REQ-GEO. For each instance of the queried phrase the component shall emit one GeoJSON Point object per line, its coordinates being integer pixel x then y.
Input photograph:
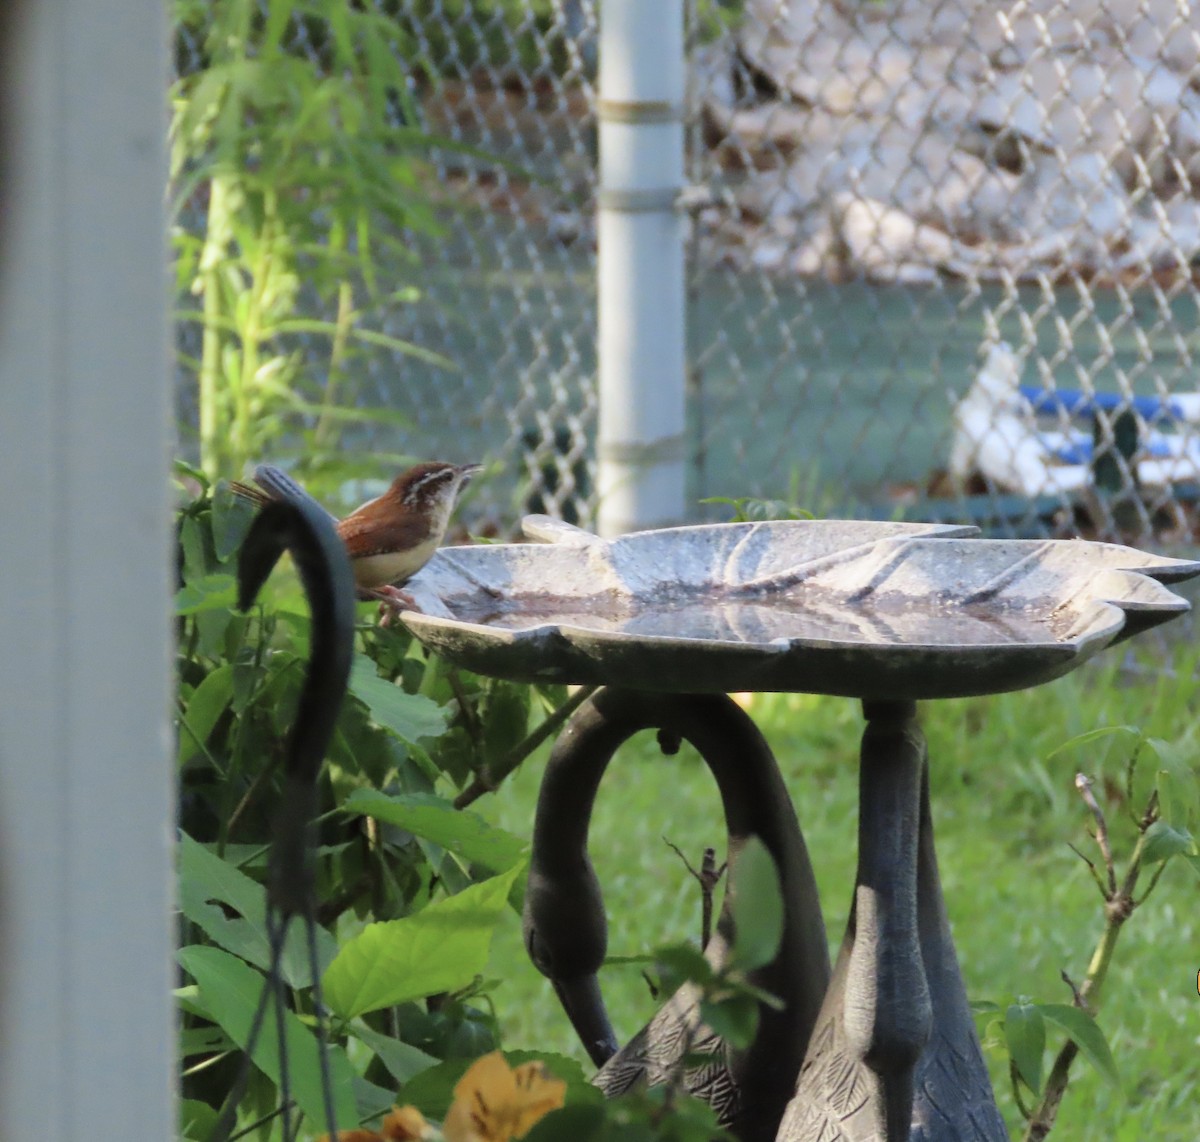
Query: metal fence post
{"type": "Point", "coordinates": [640, 272]}
{"type": "Point", "coordinates": [86, 766]}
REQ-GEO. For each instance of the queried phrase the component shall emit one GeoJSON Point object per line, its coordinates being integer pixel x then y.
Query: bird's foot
{"type": "Point", "coordinates": [392, 601]}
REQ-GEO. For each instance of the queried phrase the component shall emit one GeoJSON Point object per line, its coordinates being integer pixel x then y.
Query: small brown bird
{"type": "Point", "coordinates": [391, 537]}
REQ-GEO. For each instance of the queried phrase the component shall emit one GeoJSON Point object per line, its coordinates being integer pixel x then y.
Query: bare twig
{"type": "Point", "coordinates": [708, 877]}
{"type": "Point", "coordinates": [1119, 906]}
{"type": "Point", "coordinates": [1091, 868]}
{"type": "Point", "coordinates": [1080, 1002]}
{"type": "Point", "coordinates": [1084, 784]}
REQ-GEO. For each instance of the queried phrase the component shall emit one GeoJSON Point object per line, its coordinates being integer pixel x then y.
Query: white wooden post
{"type": "Point", "coordinates": [86, 775]}
{"type": "Point", "coordinates": [640, 272]}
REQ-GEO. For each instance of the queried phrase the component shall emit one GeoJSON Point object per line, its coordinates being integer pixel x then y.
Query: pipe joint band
{"type": "Point", "coordinates": [664, 199]}
{"type": "Point", "coordinates": [636, 454]}
{"type": "Point", "coordinates": [639, 111]}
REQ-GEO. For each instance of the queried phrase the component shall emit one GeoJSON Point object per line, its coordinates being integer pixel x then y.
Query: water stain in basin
{"type": "Point", "coordinates": [888, 620]}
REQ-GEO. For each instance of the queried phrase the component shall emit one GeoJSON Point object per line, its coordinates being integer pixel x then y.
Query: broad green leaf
{"type": "Point", "coordinates": [1178, 796]}
{"type": "Point", "coordinates": [195, 549]}
{"type": "Point", "coordinates": [196, 1120]}
{"type": "Point", "coordinates": [204, 1040]}
{"type": "Point", "coordinates": [757, 903]}
{"type": "Point", "coordinates": [208, 702]}
{"type": "Point", "coordinates": [677, 964]}
{"type": "Point", "coordinates": [1164, 841]}
{"type": "Point", "coordinates": [1083, 1030]}
{"type": "Point", "coordinates": [1025, 1033]}
{"type": "Point", "coordinates": [505, 718]}
{"type": "Point", "coordinates": [231, 520]}
{"type": "Point", "coordinates": [210, 888]}
{"type": "Point", "coordinates": [402, 1060]}
{"type": "Point", "coordinates": [409, 716]}
{"type": "Point", "coordinates": [734, 1018]}
{"type": "Point", "coordinates": [463, 833]}
{"type": "Point", "coordinates": [217, 592]}
{"type": "Point", "coordinates": [441, 948]}
{"type": "Point", "coordinates": [231, 990]}
{"type": "Point", "coordinates": [579, 1123]}
{"type": "Point", "coordinates": [432, 1091]}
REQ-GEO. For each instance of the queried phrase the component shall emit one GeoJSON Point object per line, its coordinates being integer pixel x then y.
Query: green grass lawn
{"type": "Point", "coordinates": [1022, 904]}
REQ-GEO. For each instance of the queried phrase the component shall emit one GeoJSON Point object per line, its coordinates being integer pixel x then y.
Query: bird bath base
{"type": "Point", "coordinates": [886, 613]}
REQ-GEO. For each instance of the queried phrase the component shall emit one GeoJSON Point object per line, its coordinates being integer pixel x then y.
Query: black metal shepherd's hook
{"type": "Point", "coordinates": [299, 525]}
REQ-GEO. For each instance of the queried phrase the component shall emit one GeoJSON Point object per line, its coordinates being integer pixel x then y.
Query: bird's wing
{"type": "Point", "coordinates": [368, 532]}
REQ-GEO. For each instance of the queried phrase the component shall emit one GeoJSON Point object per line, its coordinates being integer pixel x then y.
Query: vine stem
{"type": "Point", "coordinates": [1119, 904]}
{"type": "Point", "coordinates": [216, 241]}
{"type": "Point", "coordinates": [489, 779]}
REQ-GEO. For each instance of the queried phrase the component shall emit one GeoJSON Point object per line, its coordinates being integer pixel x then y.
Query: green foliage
{"type": "Point", "coordinates": [303, 167]}
{"type": "Point", "coordinates": [747, 509]}
{"type": "Point", "coordinates": [1023, 905]}
{"type": "Point", "coordinates": [757, 902]}
{"type": "Point", "coordinates": [659, 1114]}
{"type": "Point", "coordinates": [411, 889]}
{"type": "Point", "coordinates": [443, 947]}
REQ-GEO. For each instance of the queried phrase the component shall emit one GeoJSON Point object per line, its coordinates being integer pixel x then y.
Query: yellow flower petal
{"type": "Point", "coordinates": [493, 1103]}
{"type": "Point", "coordinates": [539, 1092]}
{"type": "Point", "coordinates": [403, 1124]}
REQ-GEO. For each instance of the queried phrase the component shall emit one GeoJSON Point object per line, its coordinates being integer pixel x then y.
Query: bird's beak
{"type": "Point", "coordinates": [581, 1000]}
{"type": "Point", "coordinates": [467, 471]}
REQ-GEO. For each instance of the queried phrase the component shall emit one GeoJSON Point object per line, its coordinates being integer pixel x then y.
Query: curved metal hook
{"type": "Point", "coordinates": [565, 927]}
{"type": "Point", "coordinates": [300, 525]}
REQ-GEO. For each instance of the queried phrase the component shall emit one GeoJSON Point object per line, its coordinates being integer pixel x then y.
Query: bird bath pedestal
{"type": "Point", "coordinates": [884, 1047]}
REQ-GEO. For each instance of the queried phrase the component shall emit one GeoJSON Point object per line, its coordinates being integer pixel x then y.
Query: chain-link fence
{"type": "Point", "coordinates": [941, 258]}
{"type": "Point", "coordinates": [897, 188]}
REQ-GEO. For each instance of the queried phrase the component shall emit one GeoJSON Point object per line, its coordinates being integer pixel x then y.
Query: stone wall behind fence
{"type": "Point", "coordinates": [901, 140]}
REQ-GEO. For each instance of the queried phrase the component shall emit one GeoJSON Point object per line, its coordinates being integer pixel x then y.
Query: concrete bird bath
{"type": "Point", "coordinates": [887, 613]}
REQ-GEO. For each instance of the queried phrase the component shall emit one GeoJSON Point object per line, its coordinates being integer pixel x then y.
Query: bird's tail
{"type": "Point", "coordinates": [273, 484]}
{"type": "Point", "coordinates": [278, 484]}
{"type": "Point", "coordinates": [249, 492]}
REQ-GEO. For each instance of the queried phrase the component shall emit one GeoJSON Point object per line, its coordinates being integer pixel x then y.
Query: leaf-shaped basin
{"type": "Point", "coordinates": [861, 609]}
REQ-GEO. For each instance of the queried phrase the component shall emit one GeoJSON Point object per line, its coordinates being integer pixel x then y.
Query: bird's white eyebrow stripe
{"type": "Point", "coordinates": [439, 474]}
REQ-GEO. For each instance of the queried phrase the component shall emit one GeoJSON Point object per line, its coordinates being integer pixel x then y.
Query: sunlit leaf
{"type": "Point", "coordinates": [441, 948]}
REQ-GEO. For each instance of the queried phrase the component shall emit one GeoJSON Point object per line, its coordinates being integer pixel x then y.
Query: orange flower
{"type": "Point", "coordinates": [493, 1103]}
{"type": "Point", "coordinates": [403, 1124]}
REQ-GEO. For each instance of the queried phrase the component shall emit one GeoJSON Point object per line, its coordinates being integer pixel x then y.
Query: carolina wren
{"type": "Point", "coordinates": [391, 537]}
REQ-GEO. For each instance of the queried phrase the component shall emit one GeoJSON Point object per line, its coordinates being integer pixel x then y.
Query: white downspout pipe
{"type": "Point", "coordinates": [640, 270]}
{"type": "Point", "coordinates": [87, 806]}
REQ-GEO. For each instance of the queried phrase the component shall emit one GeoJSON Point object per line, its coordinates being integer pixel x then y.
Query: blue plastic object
{"type": "Point", "coordinates": [1076, 403]}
